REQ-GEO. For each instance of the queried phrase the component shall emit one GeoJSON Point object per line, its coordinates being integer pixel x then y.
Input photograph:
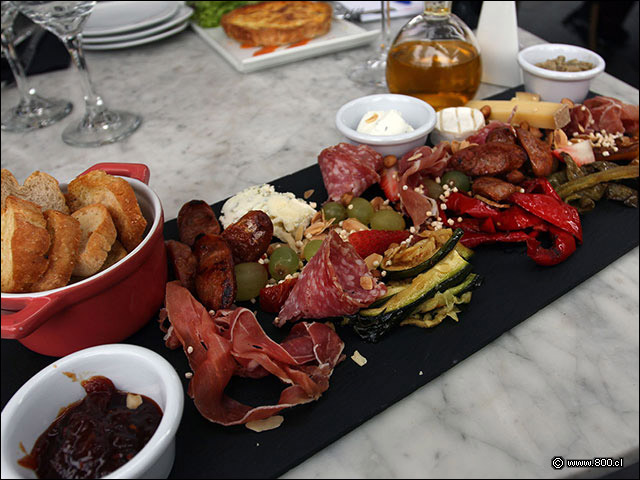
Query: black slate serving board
{"type": "Point", "coordinates": [514, 289]}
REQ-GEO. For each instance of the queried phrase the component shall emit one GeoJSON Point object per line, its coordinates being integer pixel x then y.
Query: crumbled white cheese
{"type": "Point", "coordinates": [266, 424]}
{"type": "Point", "coordinates": [286, 211]}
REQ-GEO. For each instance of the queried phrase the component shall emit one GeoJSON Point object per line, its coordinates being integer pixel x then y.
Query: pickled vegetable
{"type": "Point", "coordinates": [251, 277]}
{"type": "Point", "coordinates": [334, 210]}
{"type": "Point", "coordinates": [311, 248]}
{"type": "Point", "coordinates": [360, 209]}
{"type": "Point", "coordinates": [457, 179]}
{"type": "Point", "coordinates": [283, 261]}
{"type": "Point", "coordinates": [387, 220]}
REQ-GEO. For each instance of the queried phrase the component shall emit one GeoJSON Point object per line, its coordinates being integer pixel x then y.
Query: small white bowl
{"type": "Point", "coordinates": [417, 113]}
{"type": "Point", "coordinates": [132, 369]}
{"type": "Point", "coordinates": [554, 86]}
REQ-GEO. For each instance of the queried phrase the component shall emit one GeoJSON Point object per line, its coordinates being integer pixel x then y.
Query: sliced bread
{"type": "Point", "coordinates": [66, 235]}
{"type": "Point", "coordinates": [39, 188]}
{"type": "Point", "coordinates": [98, 233]}
{"type": "Point", "coordinates": [117, 195]}
{"type": "Point", "coordinates": [116, 254]}
{"type": "Point", "coordinates": [25, 244]}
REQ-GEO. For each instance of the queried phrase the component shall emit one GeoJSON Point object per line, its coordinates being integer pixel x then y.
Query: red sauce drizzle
{"type": "Point", "coordinates": [300, 43]}
{"type": "Point", "coordinates": [93, 436]}
{"type": "Point", "coordinates": [263, 50]}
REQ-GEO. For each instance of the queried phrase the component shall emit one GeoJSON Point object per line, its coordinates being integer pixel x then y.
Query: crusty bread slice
{"type": "Point", "coordinates": [116, 254]}
{"type": "Point", "coordinates": [117, 195]}
{"type": "Point", "coordinates": [25, 243]}
{"type": "Point", "coordinates": [277, 23]}
{"type": "Point", "coordinates": [39, 188]}
{"type": "Point", "coordinates": [65, 234]}
{"type": "Point", "coordinates": [98, 235]}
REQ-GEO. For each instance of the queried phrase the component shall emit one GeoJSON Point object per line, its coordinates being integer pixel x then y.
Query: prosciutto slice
{"type": "Point", "coordinates": [330, 284]}
{"type": "Point", "coordinates": [413, 166]}
{"type": "Point", "coordinates": [217, 346]}
{"type": "Point", "coordinates": [349, 168]}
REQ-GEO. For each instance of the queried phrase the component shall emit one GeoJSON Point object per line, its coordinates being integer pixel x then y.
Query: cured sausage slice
{"type": "Point", "coordinates": [335, 282]}
{"type": "Point", "coordinates": [349, 168]}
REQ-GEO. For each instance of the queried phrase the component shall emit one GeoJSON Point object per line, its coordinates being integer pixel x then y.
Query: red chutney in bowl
{"type": "Point", "coordinates": [96, 435]}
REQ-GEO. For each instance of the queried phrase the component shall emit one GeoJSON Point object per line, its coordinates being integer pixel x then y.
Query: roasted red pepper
{"type": "Point", "coordinates": [549, 208]}
{"type": "Point", "coordinates": [463, 204]}
{"type": "Point", "coordinates": [473, 239]}
{"type": "Point", "coordinates": [515, 218]}
{"type": "Point", "coordinates": [474, 225]}
{"type": "Point", "coordinates": [540, 185]}
{"type": "Point", "coordinates": [564, 244]}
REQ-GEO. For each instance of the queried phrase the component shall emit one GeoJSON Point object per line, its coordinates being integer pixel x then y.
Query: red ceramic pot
{"type": "Point", "coordinates": [104, 308]}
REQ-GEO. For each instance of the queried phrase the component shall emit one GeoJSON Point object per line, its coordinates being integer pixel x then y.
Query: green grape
{"type": "Point", "coordinates": [283, 261]}
{"type": "Point", "coordinates": [361, 209]}
{"type": "Point", "coordinates": [459, 180]}
{"type": "Point", "coordinates": [251, 277]}
{"type": "Point", "coordinates": [311, 248]}
{"type": "Point", "coordinates": [334, 210]}
{"type": "Point", "coordinates": [432, 188]}
{"type": "Point", "coordinates": [387, 220]}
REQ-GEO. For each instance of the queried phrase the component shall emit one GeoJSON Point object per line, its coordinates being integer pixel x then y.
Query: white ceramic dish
{"type": "Point", "coordinates": [132, 369]}
{"type": "Point", "coordinates": [342, 35]}
{"type": "Point", "coordinates": [420, 115]}
{"type": "Point", "coordinates": [181, 16]}
{"type": "Point", "coordinates": [135, 43]}
{"type": "Point", "coordinates": [554, 86]}
{"type": "Point", "coordinates": [108, 18]}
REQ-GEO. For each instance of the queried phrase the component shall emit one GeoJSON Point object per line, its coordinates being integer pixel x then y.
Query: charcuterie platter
{"type": "Point", "coordinates": [514, 289]}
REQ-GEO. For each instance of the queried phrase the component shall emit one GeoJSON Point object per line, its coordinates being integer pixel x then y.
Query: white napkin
{"type": "Point", "coordinates": [399, 9]}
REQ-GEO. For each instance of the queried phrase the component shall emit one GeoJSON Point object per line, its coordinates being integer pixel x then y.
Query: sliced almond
{"type": "Point", "coordinates": [415, 156]}
{"type": "Point", "coordinates": [376, 203]}
{"type": "Point", "coordinates": [346, 198]}
{"type": "Point", "coordinates": [133, 401]}
{"type": "Point", "coordinates": [298, 233]}
{"type": "Point", "coordinates": [491, 202]}
{"type": "Point", "coordinates": [359, 359]}
{"type": "Point", "coordinates": [560, 138]}
{"type": "Point", "coordinates": [390, 160]}
{"type": "Point", "coordinates": [353, 225]}
{"type": "Point", "coordinates": [372, 118]}
{"type": "Point", "coordinates": [266, 424]}
{"type": "Point", "coordinates": [567, 101]}
{"type": "Point", "coordinates": [307, 194]}
{"type": "Point", "coordinates": [373, 261]}
{"type": "Point", "coordinates": [366, 282]}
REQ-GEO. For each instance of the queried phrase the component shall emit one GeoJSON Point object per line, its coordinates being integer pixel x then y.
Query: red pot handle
{"type": "Point", "coordinates": [35, 311]}
{"type": "Point", "coordinates": [139, 171]}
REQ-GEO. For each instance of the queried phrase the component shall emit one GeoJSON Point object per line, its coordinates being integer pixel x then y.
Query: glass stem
{"type": "Point", "coordinates": [93, 102]}
{"type": "Point", "coordinates": [385, 25]}
{"type": "Point", "coordinates": [16, 66]}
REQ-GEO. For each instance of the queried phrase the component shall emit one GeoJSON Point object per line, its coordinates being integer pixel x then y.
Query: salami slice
{"type": "Point", "coordinates": [331, 284]}
{"type": "Point", "coordinates": [349, 169]}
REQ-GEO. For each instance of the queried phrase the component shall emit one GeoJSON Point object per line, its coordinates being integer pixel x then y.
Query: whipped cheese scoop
{"type": "Point", "coordinates": [456, 123]}
{"type": "Point", "coordinates": [387, 122]}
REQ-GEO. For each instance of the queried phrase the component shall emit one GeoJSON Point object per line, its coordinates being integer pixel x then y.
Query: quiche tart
{"type": "Point", "coordinates": [277, 23]}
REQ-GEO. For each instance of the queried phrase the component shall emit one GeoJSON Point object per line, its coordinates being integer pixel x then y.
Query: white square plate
{"type": "Point", "coordinates": [343, 35]}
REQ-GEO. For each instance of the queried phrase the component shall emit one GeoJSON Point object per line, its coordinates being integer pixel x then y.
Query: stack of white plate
{"type": "Point", "coordinates": [125, 24]}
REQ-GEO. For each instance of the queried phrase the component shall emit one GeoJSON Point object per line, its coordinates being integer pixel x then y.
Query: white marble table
{"type": "Point", "coordinates": [564, 382]}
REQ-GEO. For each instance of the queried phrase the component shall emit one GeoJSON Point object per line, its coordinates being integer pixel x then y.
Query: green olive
{"type": "Point", "coordinates": [360, 209]}
{"type": "Point", "coordinates": [334, 210]}
{"type": "Point", "coordinates": [282, 262]}
{"type": "Point", "coordinates": [251, 277]}
{"type": "Point", "coordinates": [311, 248]}
{"type": "Point", "coordinates": [457, 179]}
{"type": "Point", "coordinates": [387, 220]}
{"type": "Point", "coordinates": [432, 188]}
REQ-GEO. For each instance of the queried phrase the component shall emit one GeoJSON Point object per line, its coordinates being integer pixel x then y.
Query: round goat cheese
{"type": "Point", "coordinates": [456, 123]}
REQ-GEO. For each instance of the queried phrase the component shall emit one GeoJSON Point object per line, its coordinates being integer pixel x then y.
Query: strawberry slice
{"type": "Point", "coordinates": [272, 297]}
{"type": "Point", "coordinates": [367, 242]}
{"type": "Point", "coordinates": [390, 183]}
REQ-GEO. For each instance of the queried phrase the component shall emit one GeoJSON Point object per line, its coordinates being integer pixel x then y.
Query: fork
{"type": "Point", "coordinates": [354, 14]}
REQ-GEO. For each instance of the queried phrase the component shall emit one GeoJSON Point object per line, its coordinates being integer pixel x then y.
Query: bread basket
{"type": "Point", "coordinates": [106, 307]}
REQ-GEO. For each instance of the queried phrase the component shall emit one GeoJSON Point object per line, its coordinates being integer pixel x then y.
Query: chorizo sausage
{"type": "Point", "coordinates": [493, 188]}
{"type": "Point", "coordinates": [515, 177]}
{"type": "Point", "coordinates": [183, 263]}
{"type": "Point", "coordinates": [215, 280]}
{"type": "Point", "coordinates": [250, 236]}
{"type": "Point", "coordinates": [493, 158]}
{"type": "Point", "coordinates": [502, 135]}
{"type": "Point", "coordinates": [539, 153]}
{"type": "Point", "coordinates": [196, 218]}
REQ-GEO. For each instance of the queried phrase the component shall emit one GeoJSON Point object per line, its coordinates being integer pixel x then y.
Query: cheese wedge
{"type": "Point", "coordinates": [537, 114]}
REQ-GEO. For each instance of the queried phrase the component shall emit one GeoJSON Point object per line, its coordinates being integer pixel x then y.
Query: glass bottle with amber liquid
{"type": "Point", "coordinates": [436, 58]}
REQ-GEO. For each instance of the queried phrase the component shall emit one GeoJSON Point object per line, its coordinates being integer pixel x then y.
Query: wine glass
{"type": "Point", "coordinates": [99, 125]}
{"type": "Point", "coordinates": [372, 71]}
{"type": "Point", "coordinates": [32, 111]}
